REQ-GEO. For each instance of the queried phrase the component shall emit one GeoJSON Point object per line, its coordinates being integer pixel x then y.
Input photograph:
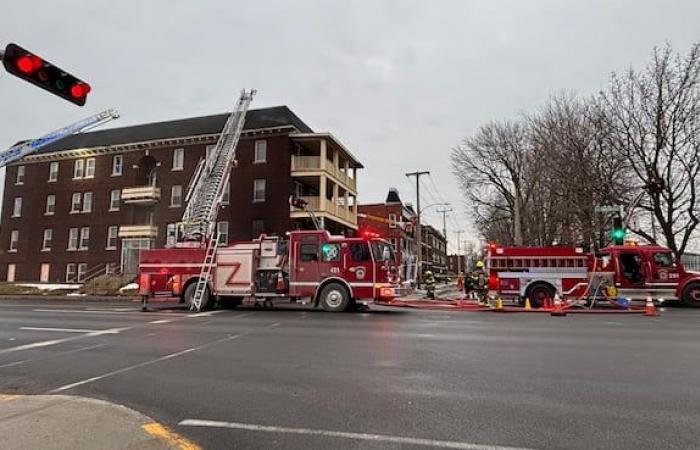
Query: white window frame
{"type": "Point", "coordinates": [11, 272]}
{"type": "Point", "coordinates": [14, 241]}
{"type": "Point", "coordinates": [82, 270]}
{"type": "Point", "coordinates": [84, 242]}
{"type": "Point", "coordinates": [21, 171]}
{"type": "Point", "coordinates": [73, 239]}
{"type": "Point", "coordinates": [178, 159]}
{"type": "Point", "coordinates": [47, 240]}
{"type": "Point", "coordinates": [53, 174]}
{"type": "Point", "coordinates": [256, 182]}
{"type": "Point", "coordinates": [87, 202]}
{"type": "Point", "coordinates": [90, 168]}
{"type": "Point", "coordinates": [71, 272]}
{"type": "Point", "coordinates": [260, 146]}
{"type": "Point", "coordinates": [173, 188]}
{"type": "Point", "coordinates": [117, 165]}
{"type": "Point", "coordinates": [223, 228]}
{"type": "Point", "coordinates": [115, 199]}
{"type": "Point", "coordinates": [41, 273]}
{"type": "Point", "coordinates": [75, 207]}
{"type": "Point", "coordinates": [17, 207]}
{"type": "Point", "coordinates": [78, 169]}
{"type": "Point", "coordinates": [112, 235]}
{"type": "Point", "coordinates": [170, 234]}
{"type": "Point", "coordinates": [392, 220]}
{"type": "Point", "coordinates": [50, 205]}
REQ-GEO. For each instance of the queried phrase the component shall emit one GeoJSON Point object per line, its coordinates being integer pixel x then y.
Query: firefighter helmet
{"type": "Point", "coordinates": [479, 264]}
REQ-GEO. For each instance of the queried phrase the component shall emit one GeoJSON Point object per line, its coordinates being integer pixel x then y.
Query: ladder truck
{"type": "Point", "coordinates": [26, 148]}
{"type": "Point", "coordinates": [305, 266]}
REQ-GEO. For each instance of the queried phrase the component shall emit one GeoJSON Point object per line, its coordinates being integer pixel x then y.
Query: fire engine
{"type": "Point", "coordinates": [630, 270]}
{"type": "Point", "coordinates": [334, 272]}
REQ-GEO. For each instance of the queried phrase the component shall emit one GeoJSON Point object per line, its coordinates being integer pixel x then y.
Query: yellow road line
{"type": "Point", "coordinates": [173, 439]}
{"type": "Point", "coordinates": [8, 397]}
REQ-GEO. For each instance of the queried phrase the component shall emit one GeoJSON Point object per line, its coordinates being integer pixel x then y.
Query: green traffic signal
{"type": "Point", "coordinates": [618, 231]}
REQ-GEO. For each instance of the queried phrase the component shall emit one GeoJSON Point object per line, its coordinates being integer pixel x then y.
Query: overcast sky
{"type": "Point", "coordinates": [398, 82]}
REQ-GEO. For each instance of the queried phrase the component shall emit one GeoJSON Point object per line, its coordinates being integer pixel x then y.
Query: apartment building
{"type": "Point", "coordinates": [434, 251]}
{"type": "Point", "coordinates": [89, 203]}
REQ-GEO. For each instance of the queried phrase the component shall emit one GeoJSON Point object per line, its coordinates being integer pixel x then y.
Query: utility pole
{"type": "Point", "coordinates": [459, 251]}
{"type": "Point", "coordinates": [444, 221]}
{"type": "Point", "coordinates": [419, 247]}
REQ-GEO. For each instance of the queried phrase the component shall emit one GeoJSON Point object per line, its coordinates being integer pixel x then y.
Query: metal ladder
{"type": "Point", "coordinates": [205, 273]}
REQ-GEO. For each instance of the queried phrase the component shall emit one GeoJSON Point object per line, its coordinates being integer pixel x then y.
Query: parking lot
{"type": "Point", "coordinates": [381, 379]}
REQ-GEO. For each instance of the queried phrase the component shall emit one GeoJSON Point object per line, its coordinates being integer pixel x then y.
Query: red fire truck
{"type": "Point", "coordinates": [631, 271]}
{"type": "Point", "coordinates": [333, 272]}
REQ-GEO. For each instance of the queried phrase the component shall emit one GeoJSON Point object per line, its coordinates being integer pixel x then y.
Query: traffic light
{"type": "Point", "coordinates": [618, 231]}
{"type": "Point", "coordinates": [34, 69]}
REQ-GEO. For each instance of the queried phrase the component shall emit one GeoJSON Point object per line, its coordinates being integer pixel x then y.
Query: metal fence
{"type": "Point", "coordinates": [691, 261]}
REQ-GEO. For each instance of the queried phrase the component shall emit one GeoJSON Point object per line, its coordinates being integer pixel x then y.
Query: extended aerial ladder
{"type": "Point", "coordinates": [23, 149]}
{"type": "Point", "coordinates": [205, 193]}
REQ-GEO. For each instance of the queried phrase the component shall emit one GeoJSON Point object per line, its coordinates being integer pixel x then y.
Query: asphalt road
{"type": "Point", "coordinates": [379, 380]}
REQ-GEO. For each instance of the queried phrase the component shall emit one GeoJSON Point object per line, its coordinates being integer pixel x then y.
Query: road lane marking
{"type": "Point", "coordinates": [275, 325]}
{"type": "Point", "coordinates": [93, 311]}
{"type": "Point", "coordinates": [51, 342]}
{"type": "Point", "coordinates": [161, 321]}
{"type": "Point", "coordinates": [405, 440]}
{"type": "Point", "coordinates": [172, 439]}
{"type": "Point", "coordinates": [203, 314]}
{"type": "Point", "coordinates": [60, 330]}
{"type": "Point", "coordinates": [143, 364]}
{"type": "Point", "coordinates": [55, 355]}
{"type": "Point", "coordinates": [16, 363]}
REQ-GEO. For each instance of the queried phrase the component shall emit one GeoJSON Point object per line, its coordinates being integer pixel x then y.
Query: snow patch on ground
{"type": "Point", "coordinates": [50, 286]}
{"type": "Point", "coordinates": [129, 287]}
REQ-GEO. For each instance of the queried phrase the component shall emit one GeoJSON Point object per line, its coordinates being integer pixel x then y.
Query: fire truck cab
{"type": "Point", "coordinates": [333, 272]}
{"type": "Point", "coordinates": [635, 271]}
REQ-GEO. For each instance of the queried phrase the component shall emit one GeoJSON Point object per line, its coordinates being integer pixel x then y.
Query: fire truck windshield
{"type": "Point", "coordinates": [382, 251]}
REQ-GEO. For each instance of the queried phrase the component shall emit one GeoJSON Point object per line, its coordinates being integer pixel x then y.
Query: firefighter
{"type": "Point", "coordinates": [429, 281]}
{"type": "Point", "coordinates": [479, 284]}
{"type": "Point", "coordinates": [460, 281]}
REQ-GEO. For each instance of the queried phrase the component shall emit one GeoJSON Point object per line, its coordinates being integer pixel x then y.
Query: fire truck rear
{"type": "Point", "coordinates": [333, 272]}
{"type": "Point", "coordinates": [631, 271]}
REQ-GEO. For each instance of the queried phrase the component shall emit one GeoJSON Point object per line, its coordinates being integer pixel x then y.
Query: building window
{"type": "Point", "coordinates": [17, 209]}
{"type": "Point", "coordinates": [44, 273]}
{"type": "Point", "coordinates": [11, 268]}
{"type": "Point", "coordinates": [90, 168]}
{"type": "Point", "coordinates": [14, 240]}
{"type": "Point", "coordinates": [73, 236]}
{"type": "Point", "coordinates": [260, 151]}
{"type": "Point", "coordinates": [20, 175]}
{"type": "Point", "coordinates": [70, 272]}
{"type": "Point", "coordinates": [222, 231]}
{"type": "Point", "coordinates": [259, 190]}
{"type": "Point", "coordinates": [84, 238]}
{"type": "Point", "coordinates": [87, 202]}
{"type": "Point", "coordinates": [258, 228]}
{"type": "Point", "coordinates": [117, 165]}
{"type": "Point", "coordinates": [178, 159]}
{"type": "Point", "coordinates": [48, 240]}
{"type": "Point", "coordinates": [392, 220]}
{"type": "Point", "coordinates": [114, 198]}
{"type": "Point", "coordinates": [112, 237]}
{"type": "Point", "coordinates": [76, 202]}
{"type": "Point", "coordinates": [79, 169]}
{"type": "Point", "coordinates": [82, 268]}
{"type": "Point", "coordinates": [53, 172]}
{"type": "Point", "coordinates": [170, 234]}
{"type": "Point", "coordinates": [176, 195]}
{"type": "Point", "coordinates": [226, 197]}
{"type": "Point", "coordinates": [50, 204]}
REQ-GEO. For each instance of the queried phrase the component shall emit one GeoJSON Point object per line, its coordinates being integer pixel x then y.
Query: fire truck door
{"type": "Point", "coordinates": [306, 267]}
{"type": "Point", "coordinates": [631, 268]}
{"type": "Point", "coordinates": [358, 268]}
{"type": "Point", "coordinates": [663, 268]}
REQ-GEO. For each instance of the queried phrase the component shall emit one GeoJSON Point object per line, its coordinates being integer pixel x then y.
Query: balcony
{"type": "Point", "coordinates": [335, 212]}
{"type": "Point", "coordinates": [138, 231]}
{"type": "Point", "coordinates": [311, 165]}
{"type": "Point", "coordinates": [141, 195]}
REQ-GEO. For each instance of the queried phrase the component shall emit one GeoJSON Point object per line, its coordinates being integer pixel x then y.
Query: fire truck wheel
{"type": "Point", "coordinates": [538, 292]}
{"type": "Point", "coordinates": [334, 297]}
{"type": "Point", "coordinates": [691, 295]}
{"type": "Point", "coordinates": [188, 295]}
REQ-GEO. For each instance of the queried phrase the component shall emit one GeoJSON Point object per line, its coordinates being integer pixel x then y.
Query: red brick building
{"type": "Point", "coordinates": [88, 203]}
{"type": "Point", "coordinates": [389, 219]}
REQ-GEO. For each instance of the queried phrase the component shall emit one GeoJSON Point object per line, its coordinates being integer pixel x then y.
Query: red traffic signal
{"type": "Point", "coordinates": [34, 69]}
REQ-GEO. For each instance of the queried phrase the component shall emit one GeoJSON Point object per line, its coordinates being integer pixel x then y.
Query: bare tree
{"type": "Point", "coordinates": [652, 120]}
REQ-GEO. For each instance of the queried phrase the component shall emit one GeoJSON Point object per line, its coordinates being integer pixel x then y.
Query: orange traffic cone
{"type": "Point", "coordinates": [499, 304]}
{"type": "Point", "coordinates": [280, 282]}
{"type": "Point", "coordinates": [558, 311]}
{"type": "Point", "coordinates": [650, 309]}
{"type": "Point", "coordinates": [528, 306]}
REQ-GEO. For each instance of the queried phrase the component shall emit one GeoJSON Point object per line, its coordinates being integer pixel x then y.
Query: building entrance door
{"type": "Point", "coordinates": [130, 254]}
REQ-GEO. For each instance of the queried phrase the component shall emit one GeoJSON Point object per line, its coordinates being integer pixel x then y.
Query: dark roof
{"type": "Point", "coordinates": [275, 116]}
{"type": "Point", "coordinates": [393, 196]}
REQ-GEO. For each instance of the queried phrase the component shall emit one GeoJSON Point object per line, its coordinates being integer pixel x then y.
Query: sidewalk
{"type": "Point", "coordinates": [441, 290]}
{"type": "Point", "coordinates": [62, 421]}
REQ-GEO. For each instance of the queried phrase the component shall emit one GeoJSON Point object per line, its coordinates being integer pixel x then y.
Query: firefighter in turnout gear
{"type": "Point", "coordinates": [429, 281]}
{"type": "Point", "coordinates": [479, 283]}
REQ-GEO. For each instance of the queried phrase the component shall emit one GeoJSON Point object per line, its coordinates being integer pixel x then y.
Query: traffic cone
{"type": "Point", "coordinates": [280, 282]}
{"type": "Point", "coordinates": [557, 311]}
{"type": "Point", "coordinates": [499, 303]}
{"type": "Point", "coordinates": [528, 306]}
{"type": "Point", "coordinates": [650, 309]}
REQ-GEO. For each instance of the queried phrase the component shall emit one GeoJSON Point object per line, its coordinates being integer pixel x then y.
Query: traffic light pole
{"type": "Point", "coordinates": [419, 250]}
